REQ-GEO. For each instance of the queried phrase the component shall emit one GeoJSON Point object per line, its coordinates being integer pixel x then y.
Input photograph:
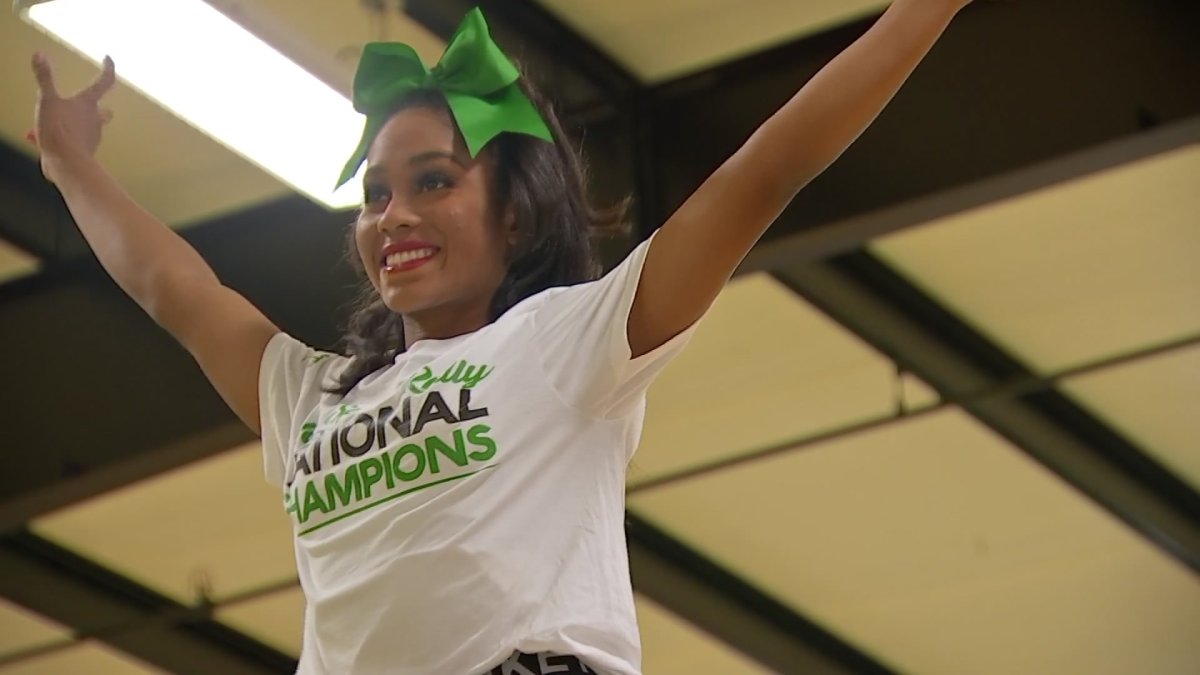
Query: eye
{"type": "Point", "coordinates": [375, 195]}
{"type": "Point", "coordinates": [428, 181]}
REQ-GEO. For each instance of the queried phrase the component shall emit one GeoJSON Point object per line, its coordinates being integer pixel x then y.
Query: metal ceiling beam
{"type": "Point", "coordinates": [95, 603]}
{"type": "Point", "coordinates": [26, 502]}
{"type": "Point", "coordinates": [580, 75]}
{"type": "Point", "coordinates": [102, 390]}
{"type": "Point", "coordinates": [963, 132]}
{"type": "Point", "coordinates": [847, 235]}
{"type": "Point", "coordinates": [32, 214]}
{"type": "Point", "coordinates": [1009, 85]}
{"type": "Point", "coordinates": [119, 611]}
{"type": "Point", "coordinates": [923, 338]}
{"type": "Point", "coordinates": [735, 612]}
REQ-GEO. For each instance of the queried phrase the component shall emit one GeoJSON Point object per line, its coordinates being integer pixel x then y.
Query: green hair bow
{"type": "Point", "coordinates": [477, 79]}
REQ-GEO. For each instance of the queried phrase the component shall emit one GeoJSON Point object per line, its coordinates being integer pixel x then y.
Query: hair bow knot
{"type": "Point", "coordinates": [477, 79]}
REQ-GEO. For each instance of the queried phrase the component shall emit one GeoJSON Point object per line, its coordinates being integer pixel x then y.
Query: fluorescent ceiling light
{"type": "Point", "coordinates": [205, 68]}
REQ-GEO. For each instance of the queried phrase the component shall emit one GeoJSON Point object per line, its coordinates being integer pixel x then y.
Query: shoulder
{"type": "Point", "coordinates": [289, 352]}
{"type": "Point", "coordinates": [294, 363]}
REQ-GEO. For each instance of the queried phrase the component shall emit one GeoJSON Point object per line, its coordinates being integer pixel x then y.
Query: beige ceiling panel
{"type": "Point", "coordinates": [176, 172]}
{"type": "Point", "coordinates": [1154, 402]}
{"type": "Point", "coordinates": [1072, 273]}
{"type": "Point", "coordinates": [22, 629]}
{"type": "Point", "coordinates": [326, 37]}
{"type": "Point", "coordinates": [90, 658]}
{"type": "Point", "coordinates": [672, 646]}
{"type": "Point", "coordinates": [763, 368]}
{"type": "Point", "coordinates": [937, 546]}
{"type": "Point", "coordinates": [215, 523]}
{"type": "Point", "coordinates": [276, 619]}
{"type": "Point", "coordinates": [702, 33]}
{"type": "Point", "coordinates": [15, 263]}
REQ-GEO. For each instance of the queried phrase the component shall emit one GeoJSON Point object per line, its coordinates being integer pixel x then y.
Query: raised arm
{"type": "Point", "coordinates": [149, 261]}
{"type": "Point", "coordinates": [697, 250]}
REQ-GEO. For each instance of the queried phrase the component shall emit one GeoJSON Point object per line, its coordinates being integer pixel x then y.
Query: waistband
{"type": "Point", "coordinates": [542, 663]}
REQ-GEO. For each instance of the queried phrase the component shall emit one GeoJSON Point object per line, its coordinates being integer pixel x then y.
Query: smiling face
{"type": "Point", "coordinates": [428, 237]}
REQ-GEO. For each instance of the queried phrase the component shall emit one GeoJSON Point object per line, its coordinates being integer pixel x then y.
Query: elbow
{"type": "Point", "coordinates": [168, 298]}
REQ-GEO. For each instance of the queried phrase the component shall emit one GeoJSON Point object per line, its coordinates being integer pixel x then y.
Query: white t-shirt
{"type": "Point", "coordinates": [468, 500]}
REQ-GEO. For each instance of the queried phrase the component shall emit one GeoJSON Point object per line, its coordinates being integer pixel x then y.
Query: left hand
{"type": "Point", "coordinates": [68, 126]}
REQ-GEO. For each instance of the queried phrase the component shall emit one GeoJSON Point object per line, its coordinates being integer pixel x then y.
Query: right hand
{"type": "Point", "coordinates": [68, 127]}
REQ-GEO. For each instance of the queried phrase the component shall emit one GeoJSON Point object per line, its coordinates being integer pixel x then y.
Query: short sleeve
{"type": "Point", "coordinates": [584, 345]}
{"type": "Point", "coordinates": [290, 381]}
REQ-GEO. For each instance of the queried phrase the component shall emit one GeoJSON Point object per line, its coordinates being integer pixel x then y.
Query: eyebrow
{"type": "Point", "coordinates": [432, 155]}
{"type": "Point", "coordinates": [419, 158]}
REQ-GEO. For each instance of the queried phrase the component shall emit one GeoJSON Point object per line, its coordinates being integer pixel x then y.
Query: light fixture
{"type": "Point", "coordinates": [211, 72]}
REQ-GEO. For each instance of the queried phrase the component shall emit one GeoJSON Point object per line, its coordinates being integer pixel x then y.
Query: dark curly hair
{"type": "Point", "coordinates": [545, 185]}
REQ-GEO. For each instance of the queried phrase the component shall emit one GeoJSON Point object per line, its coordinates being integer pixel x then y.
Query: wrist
{"type": "Point", "coordinates": [945, 8]}
{"type": "Point", "coordinates": [62, 164]}
{"type": "Point", "coordinates": [923, 15]}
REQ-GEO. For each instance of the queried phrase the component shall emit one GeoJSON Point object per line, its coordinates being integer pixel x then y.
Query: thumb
{"type": "Point", "coordinates": [45, 78]}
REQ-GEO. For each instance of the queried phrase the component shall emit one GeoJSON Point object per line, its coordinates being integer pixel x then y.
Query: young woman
{"type": "Point", "coordinates": [456, 478]}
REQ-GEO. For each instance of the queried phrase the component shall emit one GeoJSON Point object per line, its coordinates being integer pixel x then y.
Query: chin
{"type": "Point", "coordinates": [402, 305]}
{"type": "Point", "coordinates": [409, 301]}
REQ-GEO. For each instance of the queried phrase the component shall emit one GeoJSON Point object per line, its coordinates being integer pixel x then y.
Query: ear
{"type": "Point", "coordinates": [509, 221]}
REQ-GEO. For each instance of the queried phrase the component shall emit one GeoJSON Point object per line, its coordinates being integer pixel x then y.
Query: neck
{"type": "Point", "coordinates": [443, 323]}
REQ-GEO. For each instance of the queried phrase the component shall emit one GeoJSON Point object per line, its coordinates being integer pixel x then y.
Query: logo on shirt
{"type": "Point", "coordinates": [349, 459]}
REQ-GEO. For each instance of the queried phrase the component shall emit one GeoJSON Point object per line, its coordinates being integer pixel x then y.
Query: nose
{"type": "Point", "coordinates": [397, 215]}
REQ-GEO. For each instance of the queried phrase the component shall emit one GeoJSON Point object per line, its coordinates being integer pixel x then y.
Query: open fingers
{"type": "Point", "coordinates": [45, 78]}
{"type": "Point", "coordinates": [108, 75]}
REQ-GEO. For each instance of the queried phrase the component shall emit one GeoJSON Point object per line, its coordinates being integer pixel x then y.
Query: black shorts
{"type": "Point", "coordinates": [542, 663]}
